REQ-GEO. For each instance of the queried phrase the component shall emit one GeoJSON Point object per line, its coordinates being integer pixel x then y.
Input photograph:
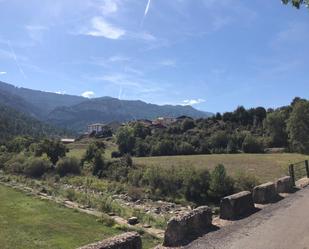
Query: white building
{"type": "Point", "coordinates": [95, 128]}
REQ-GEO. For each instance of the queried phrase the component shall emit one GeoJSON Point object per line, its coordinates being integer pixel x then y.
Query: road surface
{"type": "Point", "coordinates": [283, 225]}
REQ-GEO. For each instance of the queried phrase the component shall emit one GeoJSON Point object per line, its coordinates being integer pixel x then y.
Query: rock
{"type": "Point", "coordinates": [265, 193]}
{"type": "Point", "coordinates": [111, 214]}
{"type": "Point", "coordinates": [183, 229]}
{"type": "Point", "coordinates": [146, 226]}
{"type": "Point", "coordinates": [284, 185]}
{"type": "Point", "coordinates": [123, 241]}
{"type": "Point", "coordinates": [133, 221]}
{"type": "Point", "coordinates": [235, 206]}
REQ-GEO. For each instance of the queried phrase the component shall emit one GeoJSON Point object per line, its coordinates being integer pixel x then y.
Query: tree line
{"type": "Point", "coordinates": [243, 130]}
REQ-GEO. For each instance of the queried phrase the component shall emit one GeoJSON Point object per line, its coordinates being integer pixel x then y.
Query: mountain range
{"type": "Point", "coordinates": [76, 112]}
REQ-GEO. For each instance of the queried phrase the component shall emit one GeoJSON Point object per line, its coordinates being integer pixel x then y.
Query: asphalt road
{"type": "Point", "coordinates": [283, 225]}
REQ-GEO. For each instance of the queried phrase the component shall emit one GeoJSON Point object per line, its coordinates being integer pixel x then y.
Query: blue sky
{"type": "Point", "coordinates": [214, 55]}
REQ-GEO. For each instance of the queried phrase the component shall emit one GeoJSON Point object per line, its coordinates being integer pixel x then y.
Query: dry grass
{"type": "Point", "coordinates": [266, 167]}
{"type": "Point", "coordinates": [78, 148]}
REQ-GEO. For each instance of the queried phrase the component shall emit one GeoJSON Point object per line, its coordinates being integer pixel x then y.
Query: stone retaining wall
{"type": "Point", "coordinates": [183, 229]}
{"type": "Point", "coordinates": [284, 185]}
{"type": "Point", "coordinates": [265, 193]}
{"type": "Point", "coordinates": [124, 241]}
{"type": "Point", "coordinates": [235, 206]}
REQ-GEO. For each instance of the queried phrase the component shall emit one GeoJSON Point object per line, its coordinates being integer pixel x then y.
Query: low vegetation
{"type": "Point", "coordinates": [41, 224]}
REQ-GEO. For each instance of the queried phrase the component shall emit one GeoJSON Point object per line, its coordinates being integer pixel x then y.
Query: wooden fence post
{"type": "Point", "coordinates": [292, 174]}
{"type": "Point", "coordinates": [307, 168]}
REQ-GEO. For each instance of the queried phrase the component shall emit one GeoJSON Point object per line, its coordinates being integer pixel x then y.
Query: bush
{"type": "Point", "coordinates": [220, 185]}
{"type": "Point", "coordinates": [68, 166]}
{"type": "Point", "coordinates": [4, 157]}
{"type": "Point", "coordinates": [15, 165]}
{"type": "Point", "coordinates": [252, 144]}
{"type": "Point", "coordinates": [244, 181]}
{"type": "Point", "coordinates": [36, 167]}
{"type": "Point", "coordinates": [185, 148]}
{"type": "Point", "coordinates": [219, 141]}
{"type": "Point", "coordinates": [196, 185]}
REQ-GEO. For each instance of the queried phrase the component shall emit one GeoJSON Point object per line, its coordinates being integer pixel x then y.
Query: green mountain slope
{"type": "Point", "coordinates": [44, 102]}
{"type": "Point", "coordinates": [14, 123]}
{"type": "Point", "coordinates": [108, 109]}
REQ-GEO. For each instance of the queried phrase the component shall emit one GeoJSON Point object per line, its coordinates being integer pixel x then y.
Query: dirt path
{"type": "Point", "coordinates": [158, 233]}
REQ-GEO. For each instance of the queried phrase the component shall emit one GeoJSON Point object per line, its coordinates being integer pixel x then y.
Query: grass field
{"type": "Point", "coordinates": [78, 148]}
{"type": "Point", "coordinates": [28, 222]}
{"type": "Point", "coordinates": [266, 167]}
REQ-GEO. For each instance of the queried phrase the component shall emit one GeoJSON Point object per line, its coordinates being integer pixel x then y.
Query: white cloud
{"type": "Point", "coordinates": [3, 73]}
{"type": "Point", "coordinates": [88, 94]}
{"type": "Point", "coordinates": [192, 102]}
{"type": "Point", "coordinates": [101, 28]}
{"type": "Point", "coordinates": [109, 7]}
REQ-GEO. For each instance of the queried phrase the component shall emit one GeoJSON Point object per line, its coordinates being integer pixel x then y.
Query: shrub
{"type": "Point", "coordinates": [196, 185]}
{"type": "Point", "coordinates": [244, 181]}
{"type": "Point", "coordinates": [4, 157]}
{"type": "Point", "coordinates": [68, 166]}
{"type": "Point", "coordinates": [220, 185]}
{"type": "Point", "coordinates": [252, 144]}
{"type": "Point", "coordinates": [185, 148]}
{"type": "Point", "coordinates": [15, 165]}
{"type": "Point", "coordinates": [36, 167]}
{"type": "Point", "coordinates": [219, 141]}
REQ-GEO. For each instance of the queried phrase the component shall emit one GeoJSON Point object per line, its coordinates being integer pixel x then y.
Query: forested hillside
{"type": "Point", "coordinates": [108, 109]}
{"type": "Point", "coordinates": [14, 123]}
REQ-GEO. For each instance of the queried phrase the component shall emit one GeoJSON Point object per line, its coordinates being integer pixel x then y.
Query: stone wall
{"type": "Point", "coordinates": [284, 185]}
{"type": "Point", "coordinates": [183, 229]}
{"type": "Point", "coordinates": [235, 206]}
{"type": "Point", "coordinates": [265, 193]}
{"type": "Point", "coordinates": [123, 241]}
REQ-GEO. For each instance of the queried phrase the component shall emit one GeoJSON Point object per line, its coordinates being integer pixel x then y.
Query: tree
{"type": "Point", "coordinates": [298, 127]}
{"type": "Point", "coordinates": [297, 3]}
{"type": "Point", "coordinates": [125, 140]}
{"type": "Point", "coordinates": [219, 140]}
{"type": "Point", "coordinates": [187, 124]}
{"type": "Point", "coordinates": [220, 184]}
{"type": "Point", "coordinates": [92, 150]}
{"type": "Point", "coordinates": [275, 123]}
{"type": "Point", "coordinates": [54, 150]}
{"type": "Point", "coordinates": [252, 144]}
{"type": "Point", "coordinates": [141, 131]}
